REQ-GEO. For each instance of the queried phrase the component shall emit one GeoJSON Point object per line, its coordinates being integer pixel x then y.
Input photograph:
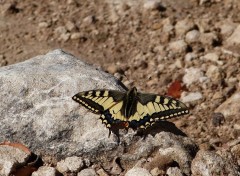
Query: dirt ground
{"type": "Point", "coordinates": [136, 38]}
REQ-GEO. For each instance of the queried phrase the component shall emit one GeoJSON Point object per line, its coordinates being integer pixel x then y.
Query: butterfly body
{"type": "Point", "coordinates": [130, 109]}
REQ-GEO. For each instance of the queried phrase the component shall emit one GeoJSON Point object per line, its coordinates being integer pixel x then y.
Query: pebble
{"type": "Point", "coordinates": [64, 37]}
{"type": "Point", "coordinates": [179, 46]}
{"type": "Point", "coordinates": [190, 56]}
{"type": "Point", "coordinates": [70, 25]}
{"type": "Point", "coordinates": [192, 75]}
{"type": "Point", "coordinates": [75, 35]}
{"type": "Point", "coordinates": [214, 57]}
{"type": "Point", "coordinates": [60, 30]}
{"type": "Point", "coordinates": [174, 171]}
{"type": "Point", "coordinates": [87, 172]}
{"type": "Point", "coordinates": [183, 26]}
{"type": "Point", "coordinates": [192, 96]}
{"type": "Point", "coordinates": [101, 172]}
{"type": "Point", "coordinates": [208, 39]}
{"type": "Point", "coordinates": [214, 73]}
{"type": "Point", "coordinates": [152, 5]}
{"type": "Point", "coordinates": [137, 171]}
{"type": "Point", "coordinates": [72, 164]}
{"type": "Point", "coordinates": [227, 27]}
{"type": "Point", "coordinates": [43, 24]}
{"type": "Point", "coordinates": [217, 119]}
{"type": "Point", "coordinates": [45, 171]}
{"type": "Point", "coordinates": [192, 36]}
{"type": "Point", "coordinates": [234, 39]}
{"type": "Point", "coordinates": [156, 171]}
{"type": "Point", "coordinates": [167, 25]}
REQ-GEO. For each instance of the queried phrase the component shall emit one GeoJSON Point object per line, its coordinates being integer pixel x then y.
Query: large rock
{"type": "Point", "coordinates": [37, 108]}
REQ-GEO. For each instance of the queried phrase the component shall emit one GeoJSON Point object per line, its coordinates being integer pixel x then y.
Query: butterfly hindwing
{"type": "Point", "coordinates": [151, 108]}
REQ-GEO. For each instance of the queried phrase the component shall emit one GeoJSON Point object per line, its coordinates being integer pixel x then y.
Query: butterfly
{"type": "Point", "coordinates": [130, 109]}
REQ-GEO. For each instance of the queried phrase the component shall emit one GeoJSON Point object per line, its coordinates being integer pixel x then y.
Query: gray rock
{"type": "Point", "coordinates": [179, 46]}
{"type": "Point", "coordinates": [234, 39]}
{"type": "Point", "coordinates": [136, 171]}
{"type": "Point", "coordinates": [231, 106]}
{"type": "Point", "coordinates": [87, 172]}
{"type": "Point", "coordinates": [70, 164]}
{"type": "Point", "coordinates": [11, 158]}
{"type": "Point", "coordinates": [208, 163]}
{"type": "Point", "coordinates": [45, 171]}
{"type": "Point", "coordinates": [37, 109]}
{"type": "Point", "coordinates": [174, 171]}
{"type": "Point", "coordinates": [192, 96]}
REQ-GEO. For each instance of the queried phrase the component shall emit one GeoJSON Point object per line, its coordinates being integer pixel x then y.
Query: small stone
{"type": "Point", "coordinates": [209, 39]}
{"type": "Point", "coordinates": [227, 28]}
{"type": "Point", "coordinates": [214, 57]}
{"type": "Point", "coordinates": [65, 37]}
{"type": "Point", "coordinates": [87, 172]}
{"type": "Point", "coordinates": [70, 25]}
{"type": "Point", "coordinates": [179, 46]}
{"type": "Point", "coordinates": [231, 107]}
{"type": "Point", "coordinates": [72, 164]}
{"type": "Point", "coordinates": [183, 26]}
{"type": "Point", "coordinates": [156, 172]}
{"type": "Point", "coordinates": [45, 171]}
{"type": "Point", "coordinates": [190, 56]}
{"type": "Point", "coordinates": [167, 25]}
{"type": "Point", "coordinates": [234, 39]}
{"type": "Point", "coordinates": [192, 36]}
{"type": "Point", "coordinates": [101, 172]}
{"type": "Point", "coordinates": [213, 72]}
{"type": "Point", "coordinates": [174, 171]}
{"type": "Point", "coordinates": [201, 2]}
{"type": "Point", "coordinates": [60, 30]}
{"type": "Point", "coordinates": [217, 119]}
{"type": "Point", "coordinates": [43, 25]}
{"type": "Point", "coordinates": [137, 171]}
{"type": "Point", "coordinates": [192, 75]}
{"type": "Point", "coordinates": [75, 35]}
{"type": "Point", "coordinates": [152, 5]}
{"type": "Point", "coordinates": [192, 96]}
{"type": "Point", "coordinates": [89, 20]}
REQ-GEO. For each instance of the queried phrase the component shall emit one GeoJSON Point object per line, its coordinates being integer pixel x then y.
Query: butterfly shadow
{"type": "Point", "coordinates": [159, 127]}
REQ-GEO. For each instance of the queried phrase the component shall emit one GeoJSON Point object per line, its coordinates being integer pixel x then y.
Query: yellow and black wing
{"type": "Point", "coordinates": [151, 108]}
{"type": "Point", "coordinates": [108, 103]}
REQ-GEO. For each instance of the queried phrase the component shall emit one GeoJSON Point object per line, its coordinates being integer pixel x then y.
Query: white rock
{"type": "Point", "coordinates": [192, 75]}
{"type": "Point", "coordinates": [179, 46]}
{"type": "Point", "coordinates": [190, 56]}
{"type": "Point", "coordinates": [213, 72]}
{"type": "Point", "coordinates": [87, 172]}
{"type": "Point", "coordinates": [70, 25]}
{"type": "Point", "coordinates": [231, 107]}
{"type": "Point", "coordinates": [214, 57]}
{"type": "Point", "coordinates": [192, 36]}
{"type": "Point", "coordinates": [11, 158]}
{"type": "Point", "coordinates": [137, 171]}
{"type": "Point", "coordinates": [167, 25]}
{"type": "Point", "coordinates": [45, 171]}
{"type": "Point", "coordinates": [152, 4]}
{"type": "Point", "coordinates": [192, 96]}
{"type": "Point", "coordinates": [75, 35]}
{"type": "Point", "coordinates": [234, 39]}
{"type": "Point", "coordinates": [174, 171]}
{"type": "Point", "coordinates": [72, 164]}
{"type": "Point", "coordinates": [183, 26]}
{"type": "Point", "coordinates": [60, 30]}
{"type": "Point", "coordinates": [65, 37]}
{"type": "Point", "coordinates": [43, 24]}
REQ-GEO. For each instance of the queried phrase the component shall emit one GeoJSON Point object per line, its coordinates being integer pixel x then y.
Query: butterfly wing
{"type": "Point", "coordinates": [108, 103]}
{"type": "Point", "coordinates": [151, 108]}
